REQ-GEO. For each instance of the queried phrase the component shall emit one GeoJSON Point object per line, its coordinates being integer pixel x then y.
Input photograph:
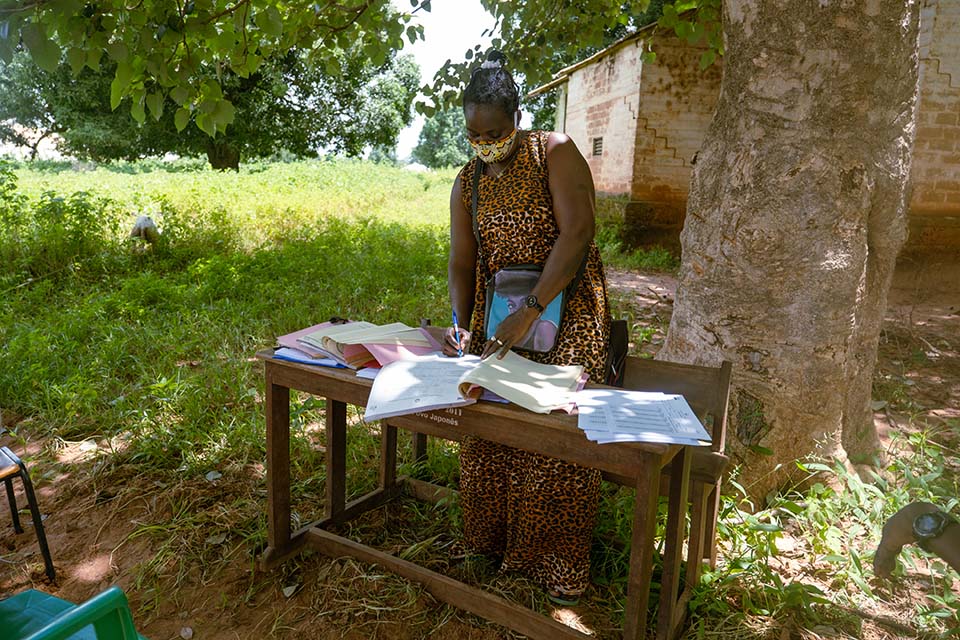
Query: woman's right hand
{"type": "Point", "coordinates": [453, 342]}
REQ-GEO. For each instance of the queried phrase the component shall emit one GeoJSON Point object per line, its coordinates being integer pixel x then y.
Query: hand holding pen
{"type": "Point", "coordinates": [456, 335]}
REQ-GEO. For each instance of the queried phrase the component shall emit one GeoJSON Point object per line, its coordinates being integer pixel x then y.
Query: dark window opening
{"type": "Point", "coordinates": [598, 146]}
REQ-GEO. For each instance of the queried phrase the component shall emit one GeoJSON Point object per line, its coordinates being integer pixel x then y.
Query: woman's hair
{"type": "Point", "coordinates": [491, 84]}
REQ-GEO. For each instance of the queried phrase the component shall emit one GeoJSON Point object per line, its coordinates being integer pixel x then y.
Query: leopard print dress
{"type": "Point", "coordinates": [536, 512]}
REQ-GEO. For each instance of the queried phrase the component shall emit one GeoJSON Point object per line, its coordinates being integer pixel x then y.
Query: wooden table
{"type": "Point", "coordinates": [557, 435]}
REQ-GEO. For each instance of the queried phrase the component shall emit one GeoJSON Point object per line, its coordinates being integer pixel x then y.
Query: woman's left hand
{"type": "Point", "coordinates": [510, 332]}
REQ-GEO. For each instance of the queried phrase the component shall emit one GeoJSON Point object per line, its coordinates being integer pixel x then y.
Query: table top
{"type": "Point", "coordinates": [554, 434]}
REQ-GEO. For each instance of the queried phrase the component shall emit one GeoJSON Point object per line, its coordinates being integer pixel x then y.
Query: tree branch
{"type": "Point", "coordinates": [228, 11]}
{"type": "Point", "coordinates": [360, 10]}
{"type": "Point", "coordinates": [25, 7]}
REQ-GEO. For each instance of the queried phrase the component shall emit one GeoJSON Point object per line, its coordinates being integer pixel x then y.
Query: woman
{"type": "Point", "coordinates": [535, 206]}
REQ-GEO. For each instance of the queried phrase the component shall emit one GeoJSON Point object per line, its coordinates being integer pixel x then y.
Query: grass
{"type": "Point", "coordinates": [147, 352]}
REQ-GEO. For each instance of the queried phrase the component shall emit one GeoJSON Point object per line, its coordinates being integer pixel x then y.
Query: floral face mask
{"type": "Point", "coordinates": [497, 150]}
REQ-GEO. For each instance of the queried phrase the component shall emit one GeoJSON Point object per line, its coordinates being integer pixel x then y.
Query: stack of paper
{"type": "Point", "coordinates": [434, 382]}
{"type": "Point", "coordinates": [619, 415]}
{"type": "Point", "coordinates": [360, 344]}
{"type": "Point", "coordinates": [295, 355]}
{"type": "Point", "coordinates": [295, 351]}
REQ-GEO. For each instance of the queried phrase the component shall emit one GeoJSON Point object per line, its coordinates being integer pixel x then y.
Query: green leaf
{"type": "Point", "coordinates": [763, 451]}
{"type": "Point", "coordinates": [211, 89]}
{"type": "Point", "coordinates": [270, 21]}
{"type": "Point", "coordinates": [707, 59]}
{"type": "Point", "coordinates": [93, 59]}
{"type": "Point", "coordinates": [76, 58]}
{"type": "Point", "coordinates": [45, 52]}
{"type": "Point", "coordinates": [206, 106]}
{"type": "Point", "coordinates": [181, 118]}
{"type": "Point", "coordinates": [124, 74]}
{"type": "Point", "coordinates": [155, 104]}
{"type": "Point", "coordinates": [179, 94]}
{"type": "Point", "coordinates": [206, 125]}
{"type": "Point", "coordinates": [116, 92]}
{"type": "Point", "coordinates": [118, 51]}
{"type": "Point", "coordinates": [223, 114]}
{"type": "Point", "coordinates": [137, 111]}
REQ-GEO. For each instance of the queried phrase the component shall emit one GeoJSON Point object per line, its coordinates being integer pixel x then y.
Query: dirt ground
{"type": "Point", "coordinates": [89, 527]}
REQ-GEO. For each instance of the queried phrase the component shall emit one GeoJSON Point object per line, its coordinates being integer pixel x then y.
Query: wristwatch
{"type": "Point", "coordinates": [531, 301]}
{"type": "Point", "coordinates": [928, 526]}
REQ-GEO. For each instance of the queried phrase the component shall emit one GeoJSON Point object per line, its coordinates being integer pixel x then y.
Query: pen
{"type": "Point", "coordinates": [456, 334]}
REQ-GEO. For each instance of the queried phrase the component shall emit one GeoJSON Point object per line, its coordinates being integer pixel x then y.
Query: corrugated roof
{"type": "Point", "coordinates": [561, 76]}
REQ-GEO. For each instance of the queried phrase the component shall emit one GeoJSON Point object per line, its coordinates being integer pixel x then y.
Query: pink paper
{"type": "Point", "coordinates": [387, 353]}
{"type": "Point", "coordinates": [292, 340]}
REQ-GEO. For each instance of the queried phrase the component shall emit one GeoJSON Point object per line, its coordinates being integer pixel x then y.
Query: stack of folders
{"type": "Point", "coordinates": [293, 350]}
{"type": "Point", "coordinates": [363, 344]}
{"type": "Point", "coordinates": [619, 415]}
{"type": "Point", "coordinates": [354, 344]}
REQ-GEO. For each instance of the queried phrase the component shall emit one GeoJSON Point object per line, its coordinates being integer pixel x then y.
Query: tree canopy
{"type": "Point", "coordinates": [287, 104]}
{"type": "Point", "coordinates": [443, 141]}
{"type": "Point", "coordinates": [182, 50]}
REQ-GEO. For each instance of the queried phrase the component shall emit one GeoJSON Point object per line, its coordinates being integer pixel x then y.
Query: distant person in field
{"type": "Point", "coordinates": [535, 207]}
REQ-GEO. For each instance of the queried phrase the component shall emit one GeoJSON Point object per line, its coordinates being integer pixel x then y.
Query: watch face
{"type": "Point", "coordinates": [531, 301]}
{"type": "Point", "coordinates": [929, 525]}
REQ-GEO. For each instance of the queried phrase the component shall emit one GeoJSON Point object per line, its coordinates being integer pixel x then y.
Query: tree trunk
{"type": "Point", "coordinates": [222, 155]}
{"type": "Point", "coordinates": [797, 211]}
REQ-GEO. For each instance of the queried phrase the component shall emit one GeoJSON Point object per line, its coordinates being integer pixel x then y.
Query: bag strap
{"type": "Point", "coordinates": [475, 198]}
{"type": "Point", "coordinates": [474, 205]}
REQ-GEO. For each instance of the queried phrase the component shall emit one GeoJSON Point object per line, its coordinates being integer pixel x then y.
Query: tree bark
{"type": "Point", "coordinates": [797, 211]}
{"type": "Point", "coordinates": [222, 155]}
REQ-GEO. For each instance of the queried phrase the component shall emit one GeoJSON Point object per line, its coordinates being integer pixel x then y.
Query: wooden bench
{"type": "Point", "coordinates": [691, 483]}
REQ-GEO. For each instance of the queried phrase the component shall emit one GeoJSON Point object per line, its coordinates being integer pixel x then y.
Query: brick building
{"type": "Point", "coordinates": [640, 125]}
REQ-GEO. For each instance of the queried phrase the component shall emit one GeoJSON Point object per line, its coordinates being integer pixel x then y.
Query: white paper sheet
{"type": "Point", "coordinates": [621, 415]}
{"type": "Point", "coordinates": [418, 384]}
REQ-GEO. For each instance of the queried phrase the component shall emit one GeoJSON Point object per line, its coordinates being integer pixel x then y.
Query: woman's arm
{"type": "Point", "coordinates": [461, 267]}
{"type": "Point", "coordinates": [571, 187]}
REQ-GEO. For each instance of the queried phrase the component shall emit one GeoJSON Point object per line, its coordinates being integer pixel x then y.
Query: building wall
{"type": "Point", "coordinates": [677, 100]}
{"type": "Point", "coordinates": [935, 172]}
{"type": "Point", "coordinates": [601, 102]}
{"type": "Point", "coordinates": [674, 106]}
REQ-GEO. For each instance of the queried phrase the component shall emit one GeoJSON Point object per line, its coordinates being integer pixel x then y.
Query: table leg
{"type": "Point", "coordinates": [388, 455]}
{"type": "Point", "coordinates": [641, 549]}
{"type": "Point", "coordinates": [695, 545]}
{"type": "Point", "coordinates": [278, 469]}
{"type": "Point", "coordinates": [669, 616]}
{"type": "Point", "coordinates": [336, 426]}
{"type": "Point", "coordinates": [711, 513]}
{"type": "Point", "coordinates": [419, 447]}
